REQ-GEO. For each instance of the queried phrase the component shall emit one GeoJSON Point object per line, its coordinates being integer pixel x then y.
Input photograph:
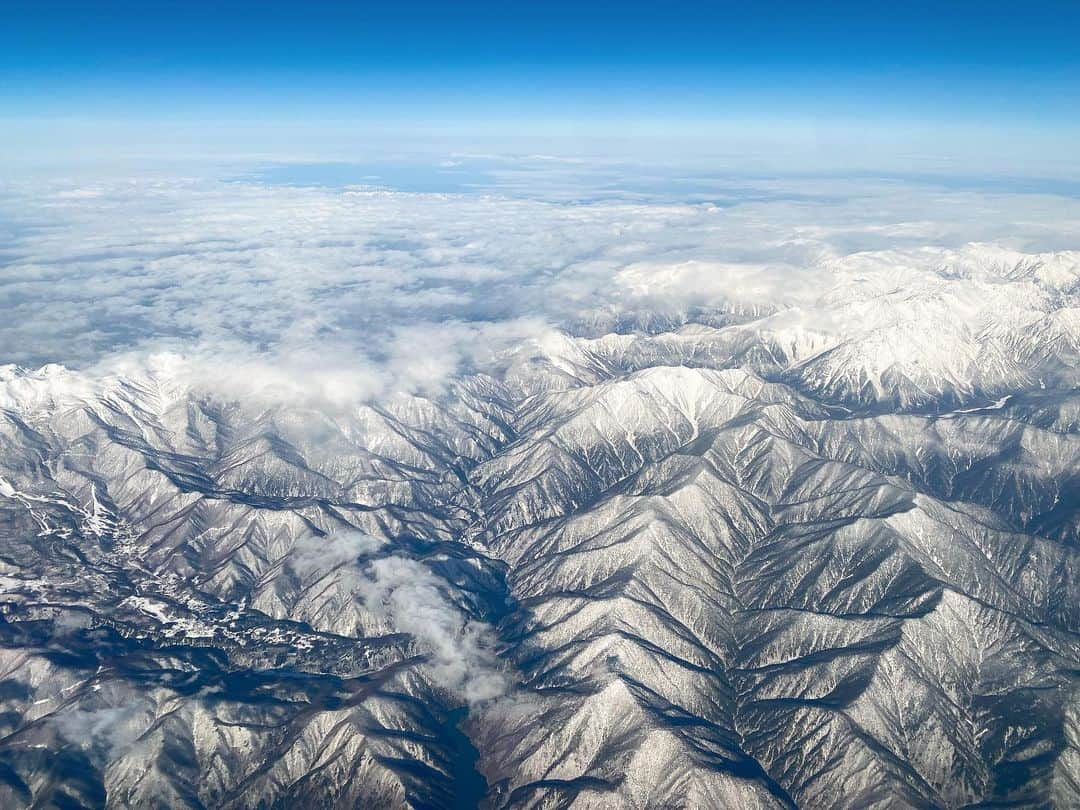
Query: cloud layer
{"type": "Point", "coordinates": [350, 294]}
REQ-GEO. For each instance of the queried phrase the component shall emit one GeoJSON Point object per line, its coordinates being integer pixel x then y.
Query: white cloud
{"type": "Point", "coordinates": [315, 556]}
{"type": "Point", "coordinates": [405, 596]}
{"type": "Point", "coordinates": [110, 730]}
{"type": "Point", "coordinates": [461, 650]}
{"type": "Point", "coordinates": [331, 296]}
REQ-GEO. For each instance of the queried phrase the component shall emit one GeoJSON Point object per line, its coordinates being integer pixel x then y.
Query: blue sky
{"type": "Point", "coordinates": [896, 77]}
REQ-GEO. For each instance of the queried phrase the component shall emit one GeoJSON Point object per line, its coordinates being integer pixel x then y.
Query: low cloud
{"type": "Point", "coordinates": [315, 556]}
{"type": "Point", "coordinates": [461, 650]}
{"type": "Point", "coordinates": [109, 730]}
{"type": "Point", "coordinates": [405, 596]}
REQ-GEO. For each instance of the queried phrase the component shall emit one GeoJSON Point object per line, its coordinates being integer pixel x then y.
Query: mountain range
{"type": "Point", "coordinates": [816, 554]}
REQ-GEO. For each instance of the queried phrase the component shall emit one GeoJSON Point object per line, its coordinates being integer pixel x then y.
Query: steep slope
{"type": "Point", "coordinates": [822, 554]}
{"type": "Point", "coordinates": [713, 614]}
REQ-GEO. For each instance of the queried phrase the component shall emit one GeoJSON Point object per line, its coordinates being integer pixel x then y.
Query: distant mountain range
{"type": "Point", "coordinates": [763, 555]}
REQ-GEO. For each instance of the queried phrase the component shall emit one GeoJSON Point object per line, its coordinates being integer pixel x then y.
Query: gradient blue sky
{"type": "Point", "coordinates": [899, 77]}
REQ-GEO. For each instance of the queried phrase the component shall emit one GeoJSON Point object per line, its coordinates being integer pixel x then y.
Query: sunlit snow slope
{"type": "Point", "coordinates": [813, 554]}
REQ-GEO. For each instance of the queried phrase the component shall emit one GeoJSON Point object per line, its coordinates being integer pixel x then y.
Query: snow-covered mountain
{"type": "Point", "coordinates": [820, 552]}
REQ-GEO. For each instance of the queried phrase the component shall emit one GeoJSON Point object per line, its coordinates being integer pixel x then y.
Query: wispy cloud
{"type": "Point", "coordinates": [403, 595]}
{"type": "Point", "coordinates": [106, 730]}
{"type": "Point", "coordinates": [461, 650]}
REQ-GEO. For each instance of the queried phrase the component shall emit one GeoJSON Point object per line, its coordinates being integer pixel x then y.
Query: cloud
{"type": "Point", "coordinates": [327, 296]}
{"type": "Point", "coordinates": [461, 650]}
{"type": "Point", "coordinates": [315, 556]}
{"type": "Point", "coordinates": [405, 596]}
{"type": "Point", "coordinates": [109, 729]}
